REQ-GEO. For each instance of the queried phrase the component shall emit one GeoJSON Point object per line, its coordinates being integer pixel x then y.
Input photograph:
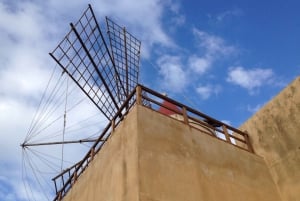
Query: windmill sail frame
{"type": "Point", "coordinates": [105, 75]}
{"type": "Point", "coordinates": [125, 50]}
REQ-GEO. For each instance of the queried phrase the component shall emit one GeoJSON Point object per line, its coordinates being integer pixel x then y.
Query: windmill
{"type": "Point", "coordinates": [104, 65]}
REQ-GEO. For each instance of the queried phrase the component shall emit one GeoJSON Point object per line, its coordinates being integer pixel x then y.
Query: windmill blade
{"type": "Point", "coordinates": [84, 55]}
{"type": "Point", "coordinates": [125, 50]}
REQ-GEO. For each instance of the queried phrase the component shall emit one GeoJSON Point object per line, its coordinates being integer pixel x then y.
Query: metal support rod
{"type": "Point", "coordinates": [59, 142]}
{"type": "Point", "coordinates": [126, 62]}
{"type": "Point", "coordinates": [113, 58]}
{"type": "Point", "coordinates": [55, 186]}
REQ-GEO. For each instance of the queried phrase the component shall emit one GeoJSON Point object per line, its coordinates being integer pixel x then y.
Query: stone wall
{"type": "Point", "coordinates": [275, 134]}
{"type": "Point", "coordinates": [113, 173]}
{"type": "Point", "coordinates": [152, 157]}
{"type": "Point", "coordinates": [179, 163]}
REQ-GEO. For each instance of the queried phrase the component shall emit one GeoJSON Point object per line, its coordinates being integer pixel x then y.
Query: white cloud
{"type": "Point", "coordinates": [199, 65]}
{"type": "Point", "coordinates": [178, 19]}
{"type": "Point", "coordinates": [235, 12]}
{"type": "Point", "coordinates": [12, 125]}
{"type": "Point", "coordinates": [212, 48]}
{"type": "Point", "coordinates": [250, 79]}
{"type": "Point", "coordinates": [15, 119]}
{"type": "Point", "coordinates": [175, 78]}
{"type": "Point", "coordinates": [23, 77]}
{"type": "Point", "coordinates": [28, 31]}
{"type": "Point", "coordinates": [228, 122]}
{"type": "Point", "coordinates": [254, 109]}
{"type": "Point", "coordinates": [178, 73]}
{"type": "Point", "coordinates": [213, 45]}
{"type": "Point", "coordinates": [22, 23]}
{"type": "Point", "coordinates": [142, 18]}
{"type": "Point", "coordinates": [206, 91]}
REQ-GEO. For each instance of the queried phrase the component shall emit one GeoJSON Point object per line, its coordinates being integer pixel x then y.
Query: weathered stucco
{"type": "Point", "coordinates": [179, 163]}
{"type": "Point", "coordinates": [275, 134]}
{"type": "Point", "coordinates": [113, 174]}
{"type": "Point", "coordinates": [152, 157]}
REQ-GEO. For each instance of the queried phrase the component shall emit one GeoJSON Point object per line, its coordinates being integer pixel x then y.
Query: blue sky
{"type": "Point", "coordinates": [224, 58]}
{"type": "Point", "coordinates": [257, 55]}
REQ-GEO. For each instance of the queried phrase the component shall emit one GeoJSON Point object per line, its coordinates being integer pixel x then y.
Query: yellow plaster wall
{"type": "Point", "coordinates": [275, 134]}
{"type": "Point", "coordinates": [152, 157]}
{"type": "Point", "coordinates": [178, 163]}
{"type": "Point", "coordinates": [113, 174]}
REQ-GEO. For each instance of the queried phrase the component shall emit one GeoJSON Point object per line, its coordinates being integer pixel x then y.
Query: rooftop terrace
{"type": "Point", "coordinates": [155, 101]}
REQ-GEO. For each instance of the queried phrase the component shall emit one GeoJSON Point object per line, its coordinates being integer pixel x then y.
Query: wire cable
{"type": "Point", "coordinates": [39, 105]}
{"type": "Point", "coordinates": [64, 128]}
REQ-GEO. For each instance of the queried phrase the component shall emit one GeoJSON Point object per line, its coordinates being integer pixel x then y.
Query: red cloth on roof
{"type": "Point", "coordinates": [166, 111]}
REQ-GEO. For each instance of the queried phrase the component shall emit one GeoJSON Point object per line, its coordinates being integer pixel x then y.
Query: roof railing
{"type": "Point", "coordinates": [153, 100]}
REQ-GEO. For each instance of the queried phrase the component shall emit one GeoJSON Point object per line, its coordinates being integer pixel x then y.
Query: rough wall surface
{"type": "Point", "coordinates": [275, 135]}
{"type": "Point", "coordinates": [152, 157]}
{"type": "Point", "coordinates": [113, 174]}
{"type": "Point", "coordinates": [179, 163]}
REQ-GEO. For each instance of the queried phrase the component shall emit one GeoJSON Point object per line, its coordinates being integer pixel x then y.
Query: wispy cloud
{"type": "Point", "coordinates": [143, 18]}
{"type": "Point", "coordinates": [250, 79]}
{"type": "Point", "coordinates": [199, 65]}
{"type": "Point", "coordinates": [175, 78]}
{"type": "Point", "coordinates": [214, 46]}
{"type": "Point", "coordinates": [235, 12]}
{"type": "Point", "coordinates": [228, 122]}
{"type": "Point", "coordinates": [179, 72]}
{"type": "Point", "coordinates": [28, 31]}
{"type": "Point", "coordinates": [178, 18]}
{"type": "Point", "coordinates": [206, 91]}
{"type": "Point", "coordinates": [225, 16]}
{"type": "Point", "coordinates": [253, 109]}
